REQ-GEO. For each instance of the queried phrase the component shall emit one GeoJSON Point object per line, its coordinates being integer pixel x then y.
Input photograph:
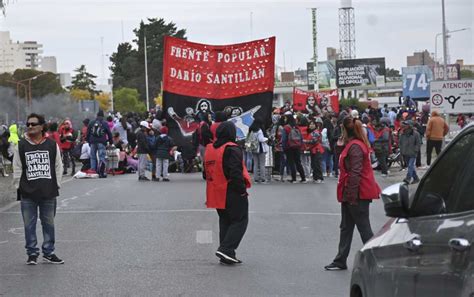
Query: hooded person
{"type": "Point", "coordinates": [227, 181]}
{"type": "Point", "coordinates": [13, 134]}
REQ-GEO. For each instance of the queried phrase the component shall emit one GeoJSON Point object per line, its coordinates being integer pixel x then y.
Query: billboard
{"type": "Point", "coordinates": [200, 79]}
{"type": "Point", "coordinates": [315, 102]}
{"type": "Point", "coordinates": [359, 72]}
{"type": "Point", "coordinates": [417, 79]}
{"type": "Point", "coordinates": [452, 96]}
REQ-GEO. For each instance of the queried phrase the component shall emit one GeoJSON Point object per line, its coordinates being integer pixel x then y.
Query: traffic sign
{"type": "Point", "coordinates": [453, 96]}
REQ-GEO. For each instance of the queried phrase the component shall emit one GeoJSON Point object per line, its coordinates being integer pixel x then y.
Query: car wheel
{"type": "Point", "coordinates": [356, 291]}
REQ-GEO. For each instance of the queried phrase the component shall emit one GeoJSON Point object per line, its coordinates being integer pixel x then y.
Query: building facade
{"type": "Point", "coordinates": [19, 55]}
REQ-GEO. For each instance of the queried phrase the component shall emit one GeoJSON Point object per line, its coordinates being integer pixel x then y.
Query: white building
{"type": "Point", "coordinates": [48, 64]}
{"type": "Point", "coordinates": [19, 55]}
{"type": "Point", "coordinates": [65, 79]}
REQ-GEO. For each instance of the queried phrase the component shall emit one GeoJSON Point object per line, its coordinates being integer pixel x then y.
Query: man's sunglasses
{"type": "Point", "coordinates": [32, 124]}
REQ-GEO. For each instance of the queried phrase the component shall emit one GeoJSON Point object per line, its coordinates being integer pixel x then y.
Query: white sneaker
{"type": "Point", "coordinates": [384, 175]}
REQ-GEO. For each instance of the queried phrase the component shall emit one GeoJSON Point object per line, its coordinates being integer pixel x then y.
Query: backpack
{"type": "Point", "coordinates": [295, 139]}
{"type": "Point", "coordinates": [370, 135]}
{"type": "Point", "coordinates": [97, 129]}
{"type": "Point", "coordinates": [252, 143]}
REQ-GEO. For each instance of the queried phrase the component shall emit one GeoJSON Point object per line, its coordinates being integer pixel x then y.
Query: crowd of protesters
{"type": "Point", "coordinates": [305, 144]}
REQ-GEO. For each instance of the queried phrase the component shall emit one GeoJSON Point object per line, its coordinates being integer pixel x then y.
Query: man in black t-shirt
{"type": "Point", "coordinates": [37, 169]}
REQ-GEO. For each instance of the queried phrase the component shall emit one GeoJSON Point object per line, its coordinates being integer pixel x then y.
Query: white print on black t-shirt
{"type": "Point", "coordinates": [37, 165]}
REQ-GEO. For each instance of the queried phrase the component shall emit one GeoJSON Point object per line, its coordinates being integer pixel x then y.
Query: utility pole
{"type": "Point", "coordinates": [146, 76]}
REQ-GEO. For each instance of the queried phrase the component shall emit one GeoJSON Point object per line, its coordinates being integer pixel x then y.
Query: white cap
{"type": "Point", "coordinates": [144, 124]}
{"type": "Point", "coordinates": [355, 114]}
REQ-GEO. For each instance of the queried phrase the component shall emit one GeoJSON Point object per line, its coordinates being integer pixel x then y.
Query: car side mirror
{"type": "Point", "coordinates": [430, 204]}
{"type": "Point", "coordinates": [396, 201]}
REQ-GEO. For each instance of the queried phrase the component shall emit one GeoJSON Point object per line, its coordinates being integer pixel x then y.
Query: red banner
{"type": "Point", "coordinates": [310, 101]}
{"type": "Point", "coordinates": [218, 72]}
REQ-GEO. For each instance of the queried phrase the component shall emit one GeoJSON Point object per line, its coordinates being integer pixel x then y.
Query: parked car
{"type": "Point", "coordinates": [425, 247]}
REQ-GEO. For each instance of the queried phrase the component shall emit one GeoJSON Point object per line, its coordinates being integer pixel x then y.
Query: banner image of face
{"type": "Point", "coordinates": [312, 102]}
{"type": "Point", "coordinates": [200, 79]}
{"type": "Point", "coordinates": [359, 72]}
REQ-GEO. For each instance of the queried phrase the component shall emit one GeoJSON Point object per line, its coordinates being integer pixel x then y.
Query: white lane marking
{"type": "Point", "coordinates": [16, 231]}
{"type": "Point", "coordinates": [90, 192]}
{"type": "Point", "coordinates": [64, 202]}
{"type": "Point", "coordinates": [184, 210]}
{"type": "Point", "coordinates": [3, 241]}
{"type": "Point", "coordinates": [204, 236]}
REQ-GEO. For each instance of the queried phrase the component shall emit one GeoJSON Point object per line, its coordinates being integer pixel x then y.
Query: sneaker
{"type": "Point", "coordinates": [226, 262]}
{"type": "Point", "coordinates": [335, 266]}
{"type": "Point", "coordinates": [407, 180]}
{"type": "Point", "coordinates": [32, 260]}
{"type": "Point", "coordinates": [319, 181]}
{"type": "Point", "coordinates": [384, 175]}
{"type": "Point", "coordinates": [53, 259]}
{"type": "Point", "coordinates": [166, 179]}
{"type": "Point", "coordinates": [291, 181]}
{"type": "Point", "coordinates": [303, 181]}
{"type": "Point", "coordinates": [143, 178]}
{"type": "Point", "coordinates": [331, 175]}
{"type": "Point", "coordinates": [415, 181]}
{"type": "Point", "coordinates": [155, 179]}
{"type": "Point", "coordinates": [225, 257]}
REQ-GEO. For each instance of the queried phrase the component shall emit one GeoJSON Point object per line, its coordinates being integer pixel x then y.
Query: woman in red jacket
{"type": "Point", "coordinates": [312, 142]}
{"type": "Point", "coordinates": [356, 188]}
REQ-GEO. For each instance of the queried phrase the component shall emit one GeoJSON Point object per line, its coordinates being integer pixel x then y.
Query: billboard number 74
{"type": "Point", "coordinates": [416, 81]}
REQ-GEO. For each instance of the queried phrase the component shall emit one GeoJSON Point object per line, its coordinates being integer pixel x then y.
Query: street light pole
{"type": "Point", "coordinates": [18, 84]}
{"type": "Point", "coordinates": [146, 77]}
{"type": "Point", "coordinates": [445, 54]}
{"type": "Point", "coordinates": [447, 34]}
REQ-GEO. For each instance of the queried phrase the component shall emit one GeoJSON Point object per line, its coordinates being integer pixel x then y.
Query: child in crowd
{"type": "Point", "coordinates": [164, 149]}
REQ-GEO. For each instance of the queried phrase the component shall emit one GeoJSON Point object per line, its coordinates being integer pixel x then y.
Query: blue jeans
{"type": "Point", "coordinates": [411, 173]}
{"type": "Point", "coordinates": [327, 161]}
{"type": "Point", "coordinates": [100, 148]}
{"type": "Point", "coordinates": [47, 212]}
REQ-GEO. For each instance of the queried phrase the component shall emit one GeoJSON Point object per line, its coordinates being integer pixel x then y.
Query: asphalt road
{"type": "Point", "coordinates": [121, 237]}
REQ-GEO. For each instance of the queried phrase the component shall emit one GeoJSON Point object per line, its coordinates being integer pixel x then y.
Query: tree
{"type": "Point", "coordinates": [390, 72]}
{"type": "Point", "coordinates": [128, 64]}
{"type": "Point", "coordinates": [84, 81]}
{"type": "Point", "coordinates": [104, 100]}
{"type": "Point", "coordinates": [466, 73]}
{"type": "Point", "coordinates": [127, 99]}
{"type": "Point", "coordinates": [42, 83]}
{"type": "Point", "coordinates": [79, 94]}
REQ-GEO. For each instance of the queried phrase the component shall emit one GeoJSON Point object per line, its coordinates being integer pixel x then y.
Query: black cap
{"type": "Point", "coordinates": [100, 113]}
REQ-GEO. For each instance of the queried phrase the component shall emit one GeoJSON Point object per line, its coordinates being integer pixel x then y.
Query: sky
{"type": "Point", "coordinates": [72, 30]}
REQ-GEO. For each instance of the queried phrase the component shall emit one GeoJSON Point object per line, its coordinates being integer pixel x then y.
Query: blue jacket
{"type": "Point", "coordinates": [164, 143]}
